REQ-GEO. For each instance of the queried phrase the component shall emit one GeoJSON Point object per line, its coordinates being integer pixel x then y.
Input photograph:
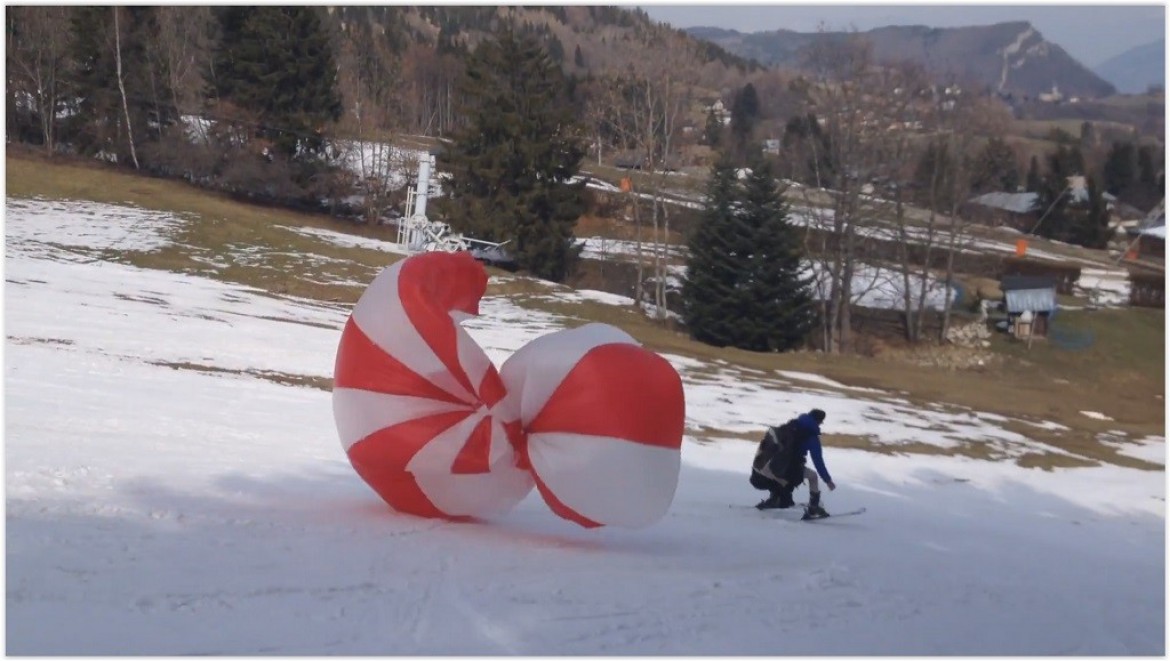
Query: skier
{"type": "Point", "coordinates": [779, 464]}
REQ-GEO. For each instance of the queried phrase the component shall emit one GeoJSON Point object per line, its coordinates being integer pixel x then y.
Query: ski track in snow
{"type": "Point", "coordinates": [162, 511]}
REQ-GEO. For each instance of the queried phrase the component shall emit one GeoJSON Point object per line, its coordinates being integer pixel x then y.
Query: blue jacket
{"type": "Point", "coordinates": [810, 443]}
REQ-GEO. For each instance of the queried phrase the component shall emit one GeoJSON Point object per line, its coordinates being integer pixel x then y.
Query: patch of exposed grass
{"type": "Point", "coordinates": [979, 450]}
{"type": "Point", "coordinates": [153, 300]}
{"type": "Point", "coordinates": [1050, 461]}
{"type": "Point", "coordinates": [39, 340]}
{"type": "Point", "coordinates": [707, 434]}
{"type": "Point", "coordinates": [283, 378]}
{"type": "Point", "coordinates": [869, 443]}
{"type": "Point", "coordinates": [973, 449]}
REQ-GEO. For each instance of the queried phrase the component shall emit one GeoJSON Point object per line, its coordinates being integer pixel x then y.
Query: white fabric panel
{"type": "Point", "coordinates": [380, 315]}
{"type": "Point", "coordinates": [440, 452]}
{"type": "Point", "coordinates": [487, 494]}
{"type": "Point", "coordinates": [533, 373]}
{"type": "Point", "coordinates": [471, 356]}
{"type": "Point", "coordinates": [359, 413]}
{"type": "Point", "coordinates": [501, 449]}
{"type": "Point", "coordinates": [459, 316]}
{"type": "Point", "coordinates": [608, 480]}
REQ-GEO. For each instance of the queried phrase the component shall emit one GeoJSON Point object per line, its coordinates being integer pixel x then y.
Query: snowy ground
{"type": "Point", "coordinates": [873, 286]}
{"type": "Point", "coordinates": [1104, 287]}
{"type": "Point", "coordinates": [165, 499]}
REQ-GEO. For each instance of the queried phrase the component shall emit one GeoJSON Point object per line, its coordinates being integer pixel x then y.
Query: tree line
{"type": "Point", "coordinates": [278, 103]}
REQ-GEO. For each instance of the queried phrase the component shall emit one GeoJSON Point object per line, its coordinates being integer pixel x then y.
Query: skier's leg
{"type": "Point", "coordinates": [773, 487]}
{"type": "Point", "coordinates": [784, 498]}
{"type": "Point", "coordinates": [814, 485]}
{"type": "Point", "coordinates": [814, 509]}
{"type": "Point", "coordinates": [760, 482]}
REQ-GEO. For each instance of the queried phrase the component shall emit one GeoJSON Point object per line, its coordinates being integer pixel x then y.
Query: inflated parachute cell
{"type": "Point", "coordinates": [587, 415]}
{"type": "Point", "coordinates": [418, 405]}
{"type": "Point", "coordinates": [603, 422]}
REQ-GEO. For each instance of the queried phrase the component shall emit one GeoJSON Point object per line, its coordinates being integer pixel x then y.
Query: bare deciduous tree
{"type": "Point", "coordinates": [370, 83]}
{"type": "Point", "coordinates": [181, 49]}
{"type": "Point", "coordinates": [122, 87]}
{"type": "Point", "coordinates": [843, 90]}
{"type": "Point", "coordinates": [650, 99]}
{"type": "Point", "coordinates": [429, 86]}
{"type": "Point", "coordinates": [38, 42]}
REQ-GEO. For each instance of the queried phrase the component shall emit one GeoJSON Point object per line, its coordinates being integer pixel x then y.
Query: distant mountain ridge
{"type": "Point", "coordinates": [1135, 70]}
{"type": "Point", "coordinates": [1008, 57]}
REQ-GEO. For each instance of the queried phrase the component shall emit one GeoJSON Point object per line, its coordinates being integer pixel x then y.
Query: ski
{"type": "Point", "coordinates": [837, 515]}
{"type": "Point", "coordinates": [800, 508]}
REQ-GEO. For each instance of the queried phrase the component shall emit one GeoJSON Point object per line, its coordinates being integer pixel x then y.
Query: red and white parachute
{"type": "Point", "coordinates": [587, 415]}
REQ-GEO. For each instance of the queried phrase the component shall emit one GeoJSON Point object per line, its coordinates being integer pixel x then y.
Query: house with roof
{"type": "Point", "coordinates": [1000, 209]}
{"type": "Point", "coordinates": [1148, 238]}
{"type": "Point", "coordinates": [629, 160]}
{"type": "Point", "coordinates": [1030, 302]}
{"type": "Point", "coordinates": [1152, 243]}
{"type": "Point", "coordinates": [1019, 210]}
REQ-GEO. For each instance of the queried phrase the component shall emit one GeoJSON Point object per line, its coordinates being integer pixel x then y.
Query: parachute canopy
{"type": "Point", "coordinates": [588, 416]}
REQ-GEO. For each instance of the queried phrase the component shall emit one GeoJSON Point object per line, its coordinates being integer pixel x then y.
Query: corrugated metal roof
{"type": "Point", "coordinates": [1036, 300]}
{"type": "Point", "coordinates": [1078, 193]}
{"type": "Point", "coordinates": [1158, 232]}
{"type": "Point", "coordinates": [1153, 220]}
{"type": "Point", "coordinates": [1156, 217]}
{"type": "Point", "coordinates": [1014, 202]}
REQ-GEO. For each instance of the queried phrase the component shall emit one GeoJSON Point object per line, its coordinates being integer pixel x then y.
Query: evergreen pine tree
{"type": "Point", "coordinates": [711, 295]}
{"type": "Point", "coordinates": [744, 285]}
{"type": "Point", "coordinates": [1033, 181]}
{"type": "Point", "coordinates": [1089, 227]}
{"type": "Point", "coordinates": [713, 131]}
{"type": "Point", "coordinates": [1120, 167]}
{"type": "Point", "coordinates": [1052, 201]}
{"type": "Point", "coordinates": [781, 312]}
{"type": "Point", "coordinates": [100, 123]}
{"type": "Point", "coordinates": [1147, 174]}
{"type": "Point", "coordinates": [933, 174]}
{"type": "Point", "coordinates": [510, 166]}
{"type": "Point", "coordinates": [811, 150]}
{"type": "Point", "coordinates": [1088, 135]}
{"type": "Point", "coordinates": [1057, 220]}
{"type": "Point", "coordinates": [277, 64]}
{"type": "Point", "coordinates": [745, 111]}
{"type": "Point", "coordinates": [995, 168]}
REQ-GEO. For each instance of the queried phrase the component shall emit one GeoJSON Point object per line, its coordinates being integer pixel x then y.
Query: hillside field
{"type": "Point", "coordinates": [1121, 376]}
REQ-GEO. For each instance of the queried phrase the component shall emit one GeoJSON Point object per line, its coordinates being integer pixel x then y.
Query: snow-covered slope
{"type": "Point", "coordinates": [162, 498]}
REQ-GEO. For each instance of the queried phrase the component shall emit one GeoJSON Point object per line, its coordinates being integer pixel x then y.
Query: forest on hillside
{"type": "Point", "coordinates": [247, 99]}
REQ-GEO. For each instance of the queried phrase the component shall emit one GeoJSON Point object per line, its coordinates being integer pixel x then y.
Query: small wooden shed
{"type": "Point", "coordinates": [1032, 294]}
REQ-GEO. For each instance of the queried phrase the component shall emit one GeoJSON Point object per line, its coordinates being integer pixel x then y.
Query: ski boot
{"type": "Point", "coordinates": [785, 498]}
{"type": "Point", "coordinates": [777, 501]}
{"type": "Point", "coordinates": [769, 503]}
{"type": "Point", "coordinates": [814, 509]}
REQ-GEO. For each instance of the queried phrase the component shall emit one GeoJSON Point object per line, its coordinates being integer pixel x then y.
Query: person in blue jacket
{"type": "Point", "coordinates": [779, 466]}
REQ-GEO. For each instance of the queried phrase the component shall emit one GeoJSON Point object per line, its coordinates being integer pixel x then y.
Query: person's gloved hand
{"type": "Point", "coordinates": [832, 487]}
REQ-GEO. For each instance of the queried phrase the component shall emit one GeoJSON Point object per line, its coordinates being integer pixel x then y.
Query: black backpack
{"type": "Point", "coordinates": [778, 447]}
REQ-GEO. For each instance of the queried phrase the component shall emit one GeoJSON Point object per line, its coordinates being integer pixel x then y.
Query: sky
{"type": "Point", "coordinates": [1090, 33]}
{"type": "Point", "coordinates": [163, 499]}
